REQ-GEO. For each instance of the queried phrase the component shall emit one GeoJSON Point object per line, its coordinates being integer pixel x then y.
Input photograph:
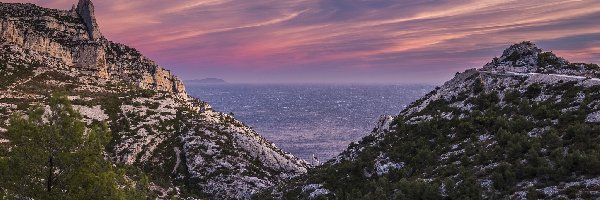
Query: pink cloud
{"type": "Point", "coordinates": [224, 36]}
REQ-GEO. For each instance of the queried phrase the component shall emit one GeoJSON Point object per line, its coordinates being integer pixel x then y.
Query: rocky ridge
{"type": "Point", "coordinates": [188, 150]}
{"type": "Point", "coordinates": [74, 37]}
{"type": "Point", "coordinates": [525, 125]}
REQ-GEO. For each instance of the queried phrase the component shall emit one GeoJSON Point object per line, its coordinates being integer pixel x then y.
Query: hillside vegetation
{"type": "Point", "coordinates": [526, 125]}
{"type": "Point", "coordinates": [186, 150]}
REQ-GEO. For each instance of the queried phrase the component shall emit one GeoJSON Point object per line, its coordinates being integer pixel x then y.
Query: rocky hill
{"type": "Point", "coordinates": [188, 150]}
{"type": "Point", "coordinates": [526, 125]}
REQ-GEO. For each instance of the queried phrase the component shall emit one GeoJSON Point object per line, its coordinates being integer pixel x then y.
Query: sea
{"type": "Point", "coordinates": [309, 120]}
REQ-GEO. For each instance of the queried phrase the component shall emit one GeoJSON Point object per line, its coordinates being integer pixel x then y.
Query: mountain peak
{"type": "Point", "coordinates": [524, 48]}
{"type": "Point", "coordinates": [489, 124]}
{"type": "Point", "coordinates": [45, 50]}
{"type": "Point", "coordinates": [523, 55]}
{"type": "Point", "coordinates": [526, 57]}
{"type": "Point", "coordinates": [85, 9]}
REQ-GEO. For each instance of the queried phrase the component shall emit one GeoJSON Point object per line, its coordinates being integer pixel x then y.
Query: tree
{"type": "Point", "coordinates": [533, 90]}
{"type": "Point", "coordinates": [478, 86]}
{"type": "Point", "coordinates": [52, 155]}
{"type": "Point", "coordinates": [512, 96]}
{"type": "Point", "coordinates": [548, 58]}
{"type": "Point", "coordinates": [469, 188]}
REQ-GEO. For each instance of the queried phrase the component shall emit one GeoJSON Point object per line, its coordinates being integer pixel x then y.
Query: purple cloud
{"type": "Point", "coordinates": [342, 41]}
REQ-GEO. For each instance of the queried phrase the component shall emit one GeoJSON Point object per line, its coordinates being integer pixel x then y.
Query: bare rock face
{"type": "Point", "coordinates": [12, 30]}
{"type": "Point", "coordinates": [188, 150]}
{"type": "Point", "coordinates": [526, 57]}
{"type": "Point", "coordinates": [75, 38]}
{"type": "Point", "coordinates": [52, 35]}
{"type": "Point", "coordinates": [91, 57]}
{"type": "Point", "coordinates": [523, 48]}
{"type": "Point", "coordinates": [85, 9]}
{"type": "Point", "coordinates": [129, 65]}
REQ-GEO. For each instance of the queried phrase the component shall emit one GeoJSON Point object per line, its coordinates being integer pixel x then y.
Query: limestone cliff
{"type": "Point", "coordinates": [74, 37]}
{"type": "Point", "coordinates": [85, 9]}
{"type": "Point", "coordinates": [188, 150]}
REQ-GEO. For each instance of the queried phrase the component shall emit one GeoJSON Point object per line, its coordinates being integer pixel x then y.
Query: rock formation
{"type": "Point", "coordinates": [188, 150]}
{"type": "Point", "coordinates": [85, 9]}
{"type": "Point", "coordinates": [523, 126]}
{"type": "Point", "coordinates": [60, 34]}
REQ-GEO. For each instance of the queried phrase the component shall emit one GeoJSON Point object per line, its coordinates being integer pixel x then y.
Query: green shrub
{"type": "Point", "coordinates": [533, 91]}
{"type": "Point", "coordinates": [485, 101]}
{"type": "Point", "coordinates": [512, 96]}
{"type": "Point", "coordinates": [478, 86]}
{"type": "Point", "coordinates": [514, 57]}
{"type": "Point", "coordinates": [547, 59]}
{"type": "Point", "coordinates": [592, 66]}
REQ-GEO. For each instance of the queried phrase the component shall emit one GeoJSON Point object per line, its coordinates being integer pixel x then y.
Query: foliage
{"type": "Point", "coordinates": [12, 71]}
{"type": "Point", "coordinates": [592, 66]}
{"type": "Point", "coordinates": [502, 145]}
{"type": "Point", "coordinates": [478, 86]}
{"type": "Point", "coordinates": [533, 90]}
{"type": "Point", "coordinates": [512, 96]}
{"type": "Point", "coordinates": [51, 155]}
{"type": "Point", "coordinates": [485, 101]}
{"type": "Point", "coordinates": [514, 57]}
{"type": "Point", "coordinates": [547, 59]}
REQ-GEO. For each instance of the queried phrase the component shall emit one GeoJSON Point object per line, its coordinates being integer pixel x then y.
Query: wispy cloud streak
{"type": "Point", "coordinates": [349, 41]}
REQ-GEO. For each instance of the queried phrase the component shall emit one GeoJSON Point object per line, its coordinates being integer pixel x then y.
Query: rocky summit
{"type": "Point", "coordinates": [73, 39]}
{"type": "Point", "coordinates": [524, 126]}
{"type": "Point", "coordinates": [188, 150]}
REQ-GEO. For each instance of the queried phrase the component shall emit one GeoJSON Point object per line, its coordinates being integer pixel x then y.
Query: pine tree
{"type": "Point", "coordinates": [51, 155]}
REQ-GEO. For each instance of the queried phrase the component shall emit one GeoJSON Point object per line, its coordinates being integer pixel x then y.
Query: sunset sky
{"type": "Point", "coordinates": [363, 41]}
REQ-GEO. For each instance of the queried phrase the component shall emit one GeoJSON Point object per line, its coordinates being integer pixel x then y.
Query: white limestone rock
{"type": "Point", "coordinates": [92, 114]}
{"type": "Point", "coordinates": [85, 9]}
{"type": "Point", "coordinates": [593, 117]}
{"type": "Point", "coordinates": [315, 190]}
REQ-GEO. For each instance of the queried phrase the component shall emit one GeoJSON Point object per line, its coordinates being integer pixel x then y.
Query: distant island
{"type": "Point", "coordinates": [206, 81]}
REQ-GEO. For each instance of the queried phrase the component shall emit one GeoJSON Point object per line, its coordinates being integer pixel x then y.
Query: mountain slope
{"type": "Point", "coordinates": [188, 150]}
{"type": "Point", "coordinates": [526, 125]}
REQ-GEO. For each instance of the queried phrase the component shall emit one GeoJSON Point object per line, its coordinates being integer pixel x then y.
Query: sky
{"type": "Point", "coordinates": [342, 41]}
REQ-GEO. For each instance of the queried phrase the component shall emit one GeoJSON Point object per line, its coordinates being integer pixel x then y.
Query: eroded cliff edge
{"type": "Point", "coordinates": [74, 38]}
{"type": "Point", "coordinates": [189, 150]}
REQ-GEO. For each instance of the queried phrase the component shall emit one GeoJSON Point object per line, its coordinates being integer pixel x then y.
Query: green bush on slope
{"type": "Point", "coordinates": [52, 156]}
{"type": "Point", "coordinates": [485, 153]}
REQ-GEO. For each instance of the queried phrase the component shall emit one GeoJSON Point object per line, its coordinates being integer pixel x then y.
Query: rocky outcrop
{"type": "Point", "coordinates": [187, 150]}
{"type": "Point", "coordinates": [12, 30]}
{"type": "Point", "coordinates": [85, 9]}
{"type": "Point", "coordinates": [526, 125]}
{"type": "Point", "coordinates": [91, 57]}
{"type": "Point", "coordinates": [129, 65]}
{"type": "Point", "coordinates": [526, 57]}
{"type": "Point", "coordinates": [75, 38]}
